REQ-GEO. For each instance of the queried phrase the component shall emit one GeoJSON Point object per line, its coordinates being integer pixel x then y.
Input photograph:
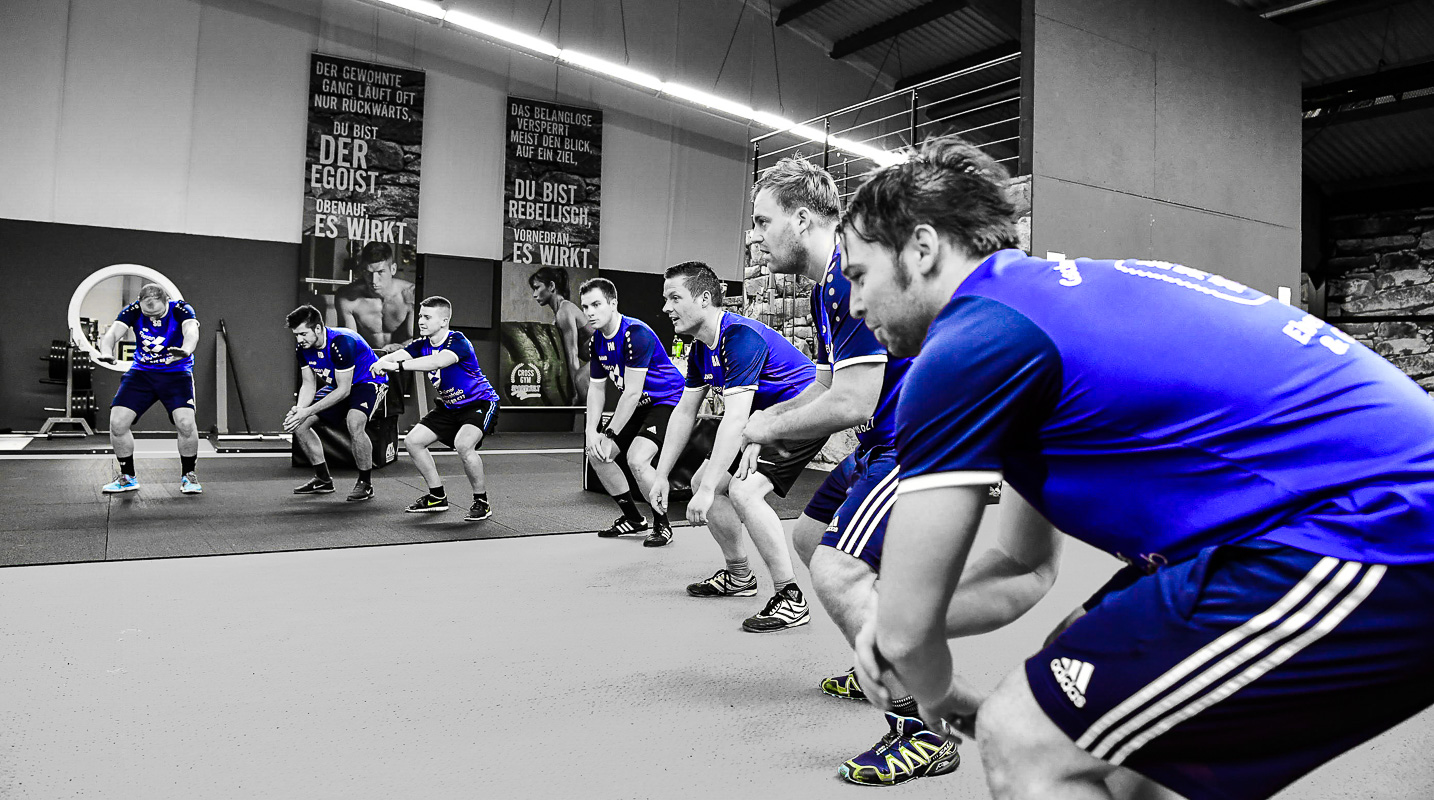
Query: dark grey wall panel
{"type": "Point", "coordinates": [1110, 225]}
{"type": "Point", "coordinates": [1256, 254]}
{"type": "Point", "coordinates": [1248, 165]}
{"type": "Point", "coordinates": [1094, 109]}
{"type": "Point", "coordinates": [249, 284]}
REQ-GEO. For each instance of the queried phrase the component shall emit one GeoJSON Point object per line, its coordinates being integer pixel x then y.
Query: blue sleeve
{"type": "Point", "coordinates": [130, 315]}
{"type": "Point", "coordinates": [852, 341]}
{"type": "Point", "coordinates": [821, 358]}
{"type": "Point", "coordinates": [641, 347]}
{"type": "Point", "coordinates": [987, 376]}
{"type": "Point", "coordinates": [595, 369]}
{"type": "Point", "coordinates": [184, 311]}
{"type": "Point", "coordinates": [415, 347]}
{"type": "Point", "coordinates": [460, 345]}
{"type": "Point", "coordinates": [299, 357]}
{"type": "Point", "coordinates": [744, 353]}
{"type": "Point", "coordinates": [694, 366]}
{"type": "Point", "coordinates": [345, 355]}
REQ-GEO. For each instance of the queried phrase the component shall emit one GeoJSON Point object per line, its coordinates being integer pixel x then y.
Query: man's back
{"type": "Point", "coordinates": [1152, 409]}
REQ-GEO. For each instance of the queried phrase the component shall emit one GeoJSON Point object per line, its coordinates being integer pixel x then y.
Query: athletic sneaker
{"type": "Point", "coordinates": [316, 486]}
{"type": "Point", "coordinates": [661, 535]}
{"type": "Point", "coordinates": [121, 483]}
{"type": "Point", "coordinates": [622, 526]}
{"type": "Point", "coordinates": [479, 512]}
{"type": "Point", "coordinates": [189, 484]}
{"type": "Point", "coordinates": [786, 609]}
{"type": "Point", "coordinates": [908, 751]}
{"type": "Point", "coordinates": [362, 491]}
{"type": "Point", "coordinates": [844, 686]}
{"type": "Point", "coordinates": [722, 584]}
{"type": "Point", "coordinates": [428, 503]}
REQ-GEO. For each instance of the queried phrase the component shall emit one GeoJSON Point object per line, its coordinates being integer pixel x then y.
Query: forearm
{"type": "Point", "coordinates": [626, 407]}
{"type": "Point", "coordinates": [423, 364]}
{"type": "Point", "coordinates": [725, 448]}
{"type": "Point", "coordinates": [597, 398]}
{"type": "Point", "coordinates": [333, 398]}
{"type": "Point", "coordinates": [191, 339]}
{"type": "Point", "coordinates": [306, 394]}
{"type": "Point", "coordinates": [814, 390]}
{"type": "Point", "coordinates": [827, 413]}
{"type": "Point", "coordinates": [679, 431]}
{"type": "Point", "coordinates": [995, 590]}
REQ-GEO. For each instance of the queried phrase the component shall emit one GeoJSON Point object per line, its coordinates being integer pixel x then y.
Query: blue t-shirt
{"type": "Point", "coordinates": [636, 346]}
{"type": "Point", "coordinates": [456, 384]}
{"type": "Point", "coordinates": [1152, 410]}
{"type": "Point", "coordinates": [844, 340]}
{"type": "Point", "coordinates": [750, 357]}
{"type": "Point", "coordinates": [344, 349]}
{"type": "Point", "coordinates": [150, 338]}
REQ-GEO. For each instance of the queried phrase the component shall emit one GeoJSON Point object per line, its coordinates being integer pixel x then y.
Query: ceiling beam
{"type": "Point", "coordinates": [1301, 16]}
{"type": "Point", "coordinates": [1364, 113]}
{"type": "Point", "coordinates": [896, 26]}
{"type": "Point", "coordinates": [798, 9]}
{"type": "Point", "coordinates": [990, 54]}
{"type": "Point", "coordinates": [1385, 83]}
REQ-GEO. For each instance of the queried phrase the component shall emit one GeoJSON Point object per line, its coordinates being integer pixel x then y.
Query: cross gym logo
{"type": "Point", "coordinates": [525, 382]}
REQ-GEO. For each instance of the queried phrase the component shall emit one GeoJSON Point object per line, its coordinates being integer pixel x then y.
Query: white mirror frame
{"type": "Point", "coordinates": [77, 333]}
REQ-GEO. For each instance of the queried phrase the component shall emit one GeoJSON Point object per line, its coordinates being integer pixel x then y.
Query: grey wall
{"type": "Point", "coordinates": [1167, 129]}
{"type": "Point", "coordinates": [188, 116]}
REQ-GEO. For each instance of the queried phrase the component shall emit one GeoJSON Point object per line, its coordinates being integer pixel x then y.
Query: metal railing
{"type": "Point", "coordinates": [981, 104]}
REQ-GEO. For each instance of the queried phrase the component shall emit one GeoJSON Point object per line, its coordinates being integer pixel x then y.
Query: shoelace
{"type": "Point", "coordinates": [772, 604]}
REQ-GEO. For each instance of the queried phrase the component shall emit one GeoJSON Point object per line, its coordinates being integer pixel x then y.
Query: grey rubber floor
{"type": "Point", "coordinates": [53, 510]}
{"type": "Point", "coordinates": [538, 667]}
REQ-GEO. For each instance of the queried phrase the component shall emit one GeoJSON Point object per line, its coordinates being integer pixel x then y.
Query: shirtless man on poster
{"type": "Point", "coordinates": [378, 305]}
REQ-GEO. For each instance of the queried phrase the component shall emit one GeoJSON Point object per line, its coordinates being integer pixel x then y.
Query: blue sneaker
{"type": "Point", "coordinates": [121, 483]}
{"type": "Point", "coordinates": [908, 751]}
{"type": "Point", "coordinates": [189, 484]}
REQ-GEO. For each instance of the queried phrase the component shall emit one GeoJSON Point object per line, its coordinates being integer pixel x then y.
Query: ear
{"type": "Point", "coordinates": [922, 250]}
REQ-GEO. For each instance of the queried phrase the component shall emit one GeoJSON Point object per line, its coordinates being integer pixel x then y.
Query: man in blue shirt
{"type": "Point", "coordinates": [795, 208]}
{"type": "Point", "coordinates": [166, 336]}
{"type": "Point", "coordinates": [467, 405]}
{"type": "Point", "coordinates": [627, 351]}
{"type": "Point", "coordinates": [754, 368]}
{"type": "Point", "coordinates": [337, 388]}
{"type": "Point", "coordinates": [1269, 482]}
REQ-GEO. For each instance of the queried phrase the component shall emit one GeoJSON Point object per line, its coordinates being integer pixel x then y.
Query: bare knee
{"type": "Point", "coordinates": [1024, 753]}
{"type": "Point", "coordinates": [412, 441]}
{"type": "Point", "coordinates": [806, 536]}
{"type": "Point", "coordinates": [749, 492]}
{"type": "Point", "coordinates": [119, 422]}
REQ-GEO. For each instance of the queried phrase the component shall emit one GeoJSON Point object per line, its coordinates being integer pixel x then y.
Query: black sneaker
{"type": "Point", "coordinates": [479, 512]}
{"type": "Point", "coordinates": [428, 503]}
{"type": "Point", "coordinates": [722, 584]}
{"type": "Point", "coordinates": [661, 535]}
{"type": "Point", "coordinates": [623, 526]}
{"type": "Point", "coordinates": [362, 491]}
{"type": "Point", "coordinates": [786, 609]}
{"type": "Point", "coordinates": [316, 486]}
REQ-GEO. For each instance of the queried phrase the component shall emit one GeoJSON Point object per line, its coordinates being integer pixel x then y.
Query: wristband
{"type": "Point", "coordinates": [609, 434]}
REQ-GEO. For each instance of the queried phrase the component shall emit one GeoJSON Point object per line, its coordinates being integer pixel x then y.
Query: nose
{"type": "Point", "coordinates": [855, 304]}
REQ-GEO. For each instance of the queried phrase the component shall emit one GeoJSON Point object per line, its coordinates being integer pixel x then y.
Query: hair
{"type": "Point", "coordinates": [374, 252]}
{"type": "Point", "coordinates": [437, 301]}
{"type": "Point", "coordinates": [305, 315]}
{"type": "Point", "coordinates": [153, 290]}
{"type": "Point", "coordinates": [798, 183]}
{"type": "Point", "coordinates": [551, 275]}
{"type": "Point", "coordinates": [948, 184]}
{"type": "Point", "coordinates": [599, 285]}
{"type": "Point", "coordinates": [698, 278]}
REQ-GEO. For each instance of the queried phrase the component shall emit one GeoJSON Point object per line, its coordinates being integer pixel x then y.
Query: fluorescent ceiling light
{"type": "Point", "coordinates": [493, 30]}
{"type": "Point", "coordinates": [532, 44]}
{"type": "Point", "coordinates": [423, 7]}
{"type": "Point", "coordinates": [608, 68]}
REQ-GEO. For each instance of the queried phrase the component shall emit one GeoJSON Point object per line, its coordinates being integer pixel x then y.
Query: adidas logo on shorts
{"type": "Point", "coordinates": [1074, 677]}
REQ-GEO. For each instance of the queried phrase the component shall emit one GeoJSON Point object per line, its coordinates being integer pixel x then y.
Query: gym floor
{"type": "Point", "coordinates": [491, 661]}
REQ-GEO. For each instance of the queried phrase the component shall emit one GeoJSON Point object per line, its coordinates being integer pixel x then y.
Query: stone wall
{"type": "Point", "coordinates": [782, 301]}
{"type": "Point", "coordinates": [1382, 265]}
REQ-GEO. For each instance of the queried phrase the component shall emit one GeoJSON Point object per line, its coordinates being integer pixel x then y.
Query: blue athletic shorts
{"type": "Point", "coordinates": [855, 501]}
{"type": "Point", "coordinates": [141, 388]}
{"type": "Point", "coordinates": [363, 397]}
{"type": "Point", "coordinates": [1231, 675]}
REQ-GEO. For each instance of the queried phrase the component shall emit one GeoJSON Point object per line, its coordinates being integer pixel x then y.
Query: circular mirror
{"type": "Point", "coordinates": [102, 295]}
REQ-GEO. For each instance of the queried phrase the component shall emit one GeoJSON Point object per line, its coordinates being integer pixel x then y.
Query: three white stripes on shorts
{"type": "Point", "coordinates": [1234, 658]}
{"type": "Point", "coordinates": [868, 516]}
